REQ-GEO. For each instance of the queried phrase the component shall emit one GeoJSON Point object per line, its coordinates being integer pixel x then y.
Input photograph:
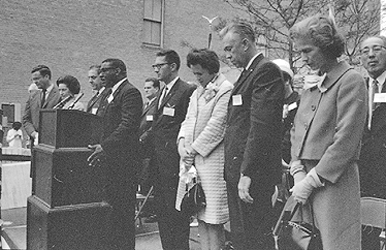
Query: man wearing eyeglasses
{"type": "Point", "coordinates": [172, 103]}
{"type": "Point", "coordinates": [97, 88]}
{"type": "Point", "coordinates": [372, 166]}
{"type": "Point", "coordinates": [117, 153]}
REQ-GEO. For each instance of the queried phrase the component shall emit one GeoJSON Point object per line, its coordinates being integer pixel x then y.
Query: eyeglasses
{"type": "Point", "coordinates": [376, 49]}
{"type": "Point", "coordinates": [159, 66]}
{"type": "Point", "coordinates": [102, 70]}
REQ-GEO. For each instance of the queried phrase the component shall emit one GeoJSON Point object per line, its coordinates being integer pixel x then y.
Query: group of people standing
{"type": "Point", "coordinates": [233, 135]}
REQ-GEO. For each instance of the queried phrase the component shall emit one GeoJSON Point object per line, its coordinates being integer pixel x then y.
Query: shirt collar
{"type": "Point", "coordinates": [116, 86]}
{"type": "Point", "coordinates": [171, 84]}
{"type": "Point", "coordinates": [251, 61]}
{"type": "Point", "coordinates": [49, 89]}
{"type": "Point", "coordinates": [381, 79]}
{"type": "Point", "coordinates": [100, 90]}
{"type": "Point", "coordinates": [151, 100]}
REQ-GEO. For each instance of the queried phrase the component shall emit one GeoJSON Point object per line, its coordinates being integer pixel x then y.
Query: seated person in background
{"type": "Point", "coordinates": [15, 136]}
{"type": "Point", "coordinates": [69, 87]}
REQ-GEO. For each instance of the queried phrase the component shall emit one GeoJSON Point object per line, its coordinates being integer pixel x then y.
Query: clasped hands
{"type": "Point", "coordinates": [97, 156]}
{"type": "Point", "coordinates": [187, 153]}
{"type": "Point", "coordinates": [304, 183]}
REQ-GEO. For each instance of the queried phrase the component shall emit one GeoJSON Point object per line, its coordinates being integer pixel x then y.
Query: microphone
{"type": "Point", "coordinates": [62, 102]}
{"type": "Point", "coordinates": [76, 100]}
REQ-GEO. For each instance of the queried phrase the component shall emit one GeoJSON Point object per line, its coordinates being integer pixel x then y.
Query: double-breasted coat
{"type": "Point", "coordinates": [204, 130]}
{"type": "Point", "coordinates": [326, 135]}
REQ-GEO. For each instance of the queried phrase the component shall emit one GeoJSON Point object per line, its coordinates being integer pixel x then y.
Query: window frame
{"type": "Point", "coordinates": [152, 21]}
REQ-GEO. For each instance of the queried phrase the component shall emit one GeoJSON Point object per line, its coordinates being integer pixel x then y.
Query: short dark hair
{"type": "Point", "coordinates": [171, 56]}
{"type": "Point", "coordinates": [71, 82]}
{"type": "Point", "coordinates": [95, 66]}
{"type": "Point", "coordinates": [155, 81]}
{"type": "Point", "coordinates": [323, 33]}
{"type": "Point", "coordinates": [117, 63]}
{"type": "Point", "coordinates": [16, 125]}
{"type": "Point", "coordinates": [43, 70]}
{"type": "Point", "coordinates": [242, 28]}
{"type": "Point", "coordinates": [206, 58]}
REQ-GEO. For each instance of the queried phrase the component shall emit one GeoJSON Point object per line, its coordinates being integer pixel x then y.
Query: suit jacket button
{"type": "Point", "coordinates": [313, 107]}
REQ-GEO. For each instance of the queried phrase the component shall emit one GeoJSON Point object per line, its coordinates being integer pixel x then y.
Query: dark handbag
{"type": "Point", "coordinates": [296, 235]}
{"type": "Point", "coordinates": [194, 199]}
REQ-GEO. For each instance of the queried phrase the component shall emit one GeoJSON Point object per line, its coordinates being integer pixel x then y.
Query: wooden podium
{"type": "Point", "coordinates": [66, 210]}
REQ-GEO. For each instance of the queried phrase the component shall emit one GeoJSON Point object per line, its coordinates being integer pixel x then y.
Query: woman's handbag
{"type": "Point", "coordinates": [296, 235]}
{"type": "Point", "coordinates": [194, 199]}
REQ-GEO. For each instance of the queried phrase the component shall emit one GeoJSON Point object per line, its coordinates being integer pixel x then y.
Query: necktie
{"type": "Point", "coordinates": [372, 90]}
{"type": "Point", "coordinates": [102, 107]}
{"type": "Point", "coordinates": [164, 93]}
{"type": "Point", "coordinates": [43, 97]}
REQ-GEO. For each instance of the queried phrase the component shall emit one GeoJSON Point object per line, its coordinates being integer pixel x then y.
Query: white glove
{"type": "Point", "coordinates": [303, 189]}
{"type": "Point", "coordinates": [297, 171]}
{"type": "Point", "coordinates": [299, 176]}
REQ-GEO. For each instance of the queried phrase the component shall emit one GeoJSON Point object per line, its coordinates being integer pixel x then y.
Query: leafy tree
{"type": "Point", "coordinates": [272, 20]}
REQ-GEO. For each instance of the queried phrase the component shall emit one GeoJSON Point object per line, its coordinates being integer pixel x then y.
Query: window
{"type": "Point", "coordinates": [153, 15]}
{"type": "Point", "coordinates": [11, 112]}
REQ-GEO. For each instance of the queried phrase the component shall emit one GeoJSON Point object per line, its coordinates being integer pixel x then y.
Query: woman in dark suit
{"type": "Point", "coordinates": [326, 135]}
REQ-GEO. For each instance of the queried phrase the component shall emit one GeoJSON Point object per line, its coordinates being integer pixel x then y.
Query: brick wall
{"type": "Point", "coordinates": [70, 35]}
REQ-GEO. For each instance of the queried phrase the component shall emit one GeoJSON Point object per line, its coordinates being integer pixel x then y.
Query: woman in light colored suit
{"type": "Point", "coordinates": [326, 135]}
{"type": "Point", "coordinates": [201, 140]}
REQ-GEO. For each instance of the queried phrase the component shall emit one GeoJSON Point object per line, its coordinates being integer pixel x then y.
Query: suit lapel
{"type": "Point", "coordinates": [93, 100]}
{"type": "Point", "coordinates": [169, 95]}
{"type": "Point", "coordinates": [115, 94]}
{"type": "Point", "coordinates": [246, 73]}
{"type": "Point", "coordinates": [49, 97]}
{"type": "Point", "coordinates": [149, 107]}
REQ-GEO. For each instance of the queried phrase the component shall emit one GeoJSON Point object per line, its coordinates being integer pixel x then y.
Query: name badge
{"type": "Point", "coordinates": [94, 111]}
{"type": "Point", "coordinates": [292, 106]}
{"type": "Point", "coordinates": [380, 97]}
{"type": "Point", "coordinates": [168, 111]}
{"type": "Point", "coordinates": [149, 118]}
{"type": "Point", "coordinates": [237, 100]}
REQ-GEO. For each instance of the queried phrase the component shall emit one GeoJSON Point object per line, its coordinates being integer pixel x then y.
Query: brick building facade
{"type": "Point", "coordinates": [70, 35]}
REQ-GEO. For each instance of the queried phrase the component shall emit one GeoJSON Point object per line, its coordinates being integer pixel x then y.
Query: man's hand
{"type": "Point", "coordinates": [95, 158]}
{"type": "Point", "coordinates": [243, 186]}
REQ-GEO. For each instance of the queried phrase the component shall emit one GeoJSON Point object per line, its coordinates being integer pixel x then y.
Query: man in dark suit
{"type": "Point", "coordinates": [151, 88]}
{"type": "Point", "coordinates": [373, 153]}
{"type": "Point", "coordinates": [118, 152]}
{"type": "Point", "coordinates": [45, 98]}
{"type": "Point", "coordinates": [252, 139]}
{"type": "Point", "coordinates": [372, 167]}
{"type": "Point", "coordinates": [97, 88]}
{"type": "Point", "coordinates": [172, 103]}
